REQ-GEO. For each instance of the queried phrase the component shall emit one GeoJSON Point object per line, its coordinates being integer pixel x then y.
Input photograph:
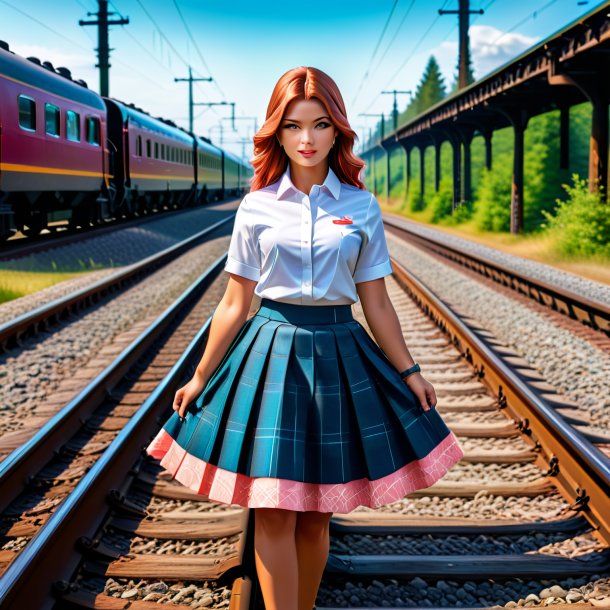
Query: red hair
{"type": "Point", "coordinates": [303, 83]}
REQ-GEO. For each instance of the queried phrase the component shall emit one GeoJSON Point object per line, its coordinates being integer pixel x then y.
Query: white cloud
{"type": "Point", "coordinates": [486, 54]}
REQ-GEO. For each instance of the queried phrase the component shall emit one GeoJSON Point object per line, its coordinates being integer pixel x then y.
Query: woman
{"type": "Point", "coordinates": [296, 412]}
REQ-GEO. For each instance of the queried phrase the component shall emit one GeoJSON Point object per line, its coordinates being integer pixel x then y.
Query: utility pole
{"type": "Point", "coordinates": [463, 18]}
{"type": "Point", "coordinates": [395, 107]}
{"type": "Point", "coordinates": [232, 104]}
{"type": "Point", "coordinates": [103, 50]}
{"type": "Point", "coordinates": [191, 80]}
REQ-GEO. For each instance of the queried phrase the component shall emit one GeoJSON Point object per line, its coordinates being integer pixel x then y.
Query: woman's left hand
{"type": "Point", "coordinates": [422, 389]}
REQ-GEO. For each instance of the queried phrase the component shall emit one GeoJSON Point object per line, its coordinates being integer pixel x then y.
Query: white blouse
{"type": "Point", "coordinates": [288, 242]}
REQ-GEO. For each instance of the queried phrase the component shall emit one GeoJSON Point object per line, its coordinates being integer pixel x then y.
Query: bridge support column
{"type": "Point", "coordinates": [564, 137]}
{"type": "Point", "coordinates": [488, 149]}
{"type": "Point", "coordinates": [437, 164]}
{"type": "Point", "coordinates": [465, 135]}
{"type": "Point", "coordinates": [518, 119]}
{"type": "Point", "coordinates": [597, 91]}
{"type": "Point", "coordinates": [407, 150]}
{"type": "Point", "coordinates": [422, 172]}
{"type": "Point", "coordinates": [454, 139]}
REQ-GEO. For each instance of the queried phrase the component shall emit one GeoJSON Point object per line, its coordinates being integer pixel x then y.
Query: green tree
{"type": "Point", "coordinates": [430, 91]}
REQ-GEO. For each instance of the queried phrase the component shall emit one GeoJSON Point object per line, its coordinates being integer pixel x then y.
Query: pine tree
{"type": "Point", "coordinates": [431, 90]}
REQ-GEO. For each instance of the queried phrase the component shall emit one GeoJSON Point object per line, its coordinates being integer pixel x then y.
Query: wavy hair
{"type": "Point", "coordinates": [303, 83]}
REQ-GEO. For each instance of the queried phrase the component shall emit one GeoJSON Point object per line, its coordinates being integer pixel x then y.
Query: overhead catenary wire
{"type": "Point", "coordinates": [383, 31]}
{"type": "Point", "coordinates": [192, 38]}
{"type": "Point", "coordinates": [489, 4]}
{"type": "Point", "coordinates": [76, 44]}
{"type": "Point", "coordinates": [164, 37]}
{"type": "Point", "coordinates": [389, 45]}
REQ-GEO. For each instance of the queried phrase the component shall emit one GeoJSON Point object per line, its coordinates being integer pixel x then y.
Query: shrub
{"type": "Point", "coordinates": [492, 205]}
{"type": "Point", "coordinates": [581, 224]}
{"type": "Point", "coordinates": [441, 201]}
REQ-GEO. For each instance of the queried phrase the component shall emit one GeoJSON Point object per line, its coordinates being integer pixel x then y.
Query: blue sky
{"type": "Point", "coordinates": [246, 46]}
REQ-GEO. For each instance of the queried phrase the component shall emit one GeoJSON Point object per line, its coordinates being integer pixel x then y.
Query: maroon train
{"type": "Point", "coordinates": [68, 153]}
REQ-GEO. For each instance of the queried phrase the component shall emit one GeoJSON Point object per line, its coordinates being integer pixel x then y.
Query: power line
{"type": "Point", "coordinates": [190, 35]}
{"type": "Point", "coordinates": [45, 26]}
{"type": "Point", "coordinates": [532, 14]}
{"type": "Point", "coordinates": [366, 74]}
{"type": "Point", "coordinates": [404, 63]}
{"type": "Point", "coordinates": [167, 40]}
{"type": "Point", "coordinates": [147, 51]}
{"type": "Point", "coordinates": [395, 35]}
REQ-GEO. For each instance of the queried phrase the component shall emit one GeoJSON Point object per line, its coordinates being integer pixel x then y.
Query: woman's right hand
{"type": "Point", "coordinates": [187, 393]}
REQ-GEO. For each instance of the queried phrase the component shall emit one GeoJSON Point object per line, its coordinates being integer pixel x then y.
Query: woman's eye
{"type": "Point", "coordinates": [318, 125]}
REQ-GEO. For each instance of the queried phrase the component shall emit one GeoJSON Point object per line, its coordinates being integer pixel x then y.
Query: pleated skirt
{"type": "Point", "coordinates": [306, 413]}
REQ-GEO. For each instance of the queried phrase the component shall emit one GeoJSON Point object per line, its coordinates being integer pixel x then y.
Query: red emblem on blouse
{"type": "Point", "coordinates": [346, 220]}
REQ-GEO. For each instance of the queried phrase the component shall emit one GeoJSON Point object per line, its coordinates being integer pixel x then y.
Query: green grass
{"type": "Point", "coordinates": [15, 284]}
{"type": "Point", "coordinates": [542, 246]}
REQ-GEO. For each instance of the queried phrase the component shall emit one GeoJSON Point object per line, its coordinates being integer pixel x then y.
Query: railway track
{"type": "Point", "coordinates": [89, 521]}
{"type": "Point", "coordinates": [593, 314]}
{"type": "Point", "coordinates": [61, 234]}
{"type": "Point", "coordinates": [31, 323]}
{"type": "Point", "coordinates": [73, 475]}
{"type": "Point", "coordinates": [419, 554]}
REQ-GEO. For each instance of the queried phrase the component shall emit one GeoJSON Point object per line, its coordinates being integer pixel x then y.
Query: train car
{"type": "Point", "coordinates": [246, 177]}
{"type": "Point", "coordinates": [66, 153]}
{"type": "Point", "coordinates": [232, 167]}
{"type": "Point", "coordinates": [53, 163]}
{"type": "Point", "coordinates": [209, 170]}
{"type": "Point", "coordinates": [152, 161]}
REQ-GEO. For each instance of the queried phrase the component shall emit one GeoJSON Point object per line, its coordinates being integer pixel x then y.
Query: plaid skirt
{"type": "Point", "coordinates": [306, 413]}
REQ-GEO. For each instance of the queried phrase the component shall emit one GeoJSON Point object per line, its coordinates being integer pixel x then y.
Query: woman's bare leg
{"type": "Point", "coordinates": [312, 546]}
{"type": "Point", "coordinates": [275, 557]}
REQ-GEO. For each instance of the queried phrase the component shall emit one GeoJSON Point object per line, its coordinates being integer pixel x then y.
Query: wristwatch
{"type": "Point", "coordinates": [412, 369]}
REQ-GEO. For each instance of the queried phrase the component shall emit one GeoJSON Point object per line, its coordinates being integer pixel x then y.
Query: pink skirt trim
{"type": "Point", "coordinates": [264, 492]}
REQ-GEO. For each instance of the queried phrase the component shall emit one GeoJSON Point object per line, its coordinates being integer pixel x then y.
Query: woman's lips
{"type": "Point", "coordinates": [308, 153]}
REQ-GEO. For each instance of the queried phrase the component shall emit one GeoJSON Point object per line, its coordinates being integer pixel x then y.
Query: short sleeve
{"type": "Point", "coordinates": [374, 259]}
{"type": "Point", "coordinates": [244, 257]}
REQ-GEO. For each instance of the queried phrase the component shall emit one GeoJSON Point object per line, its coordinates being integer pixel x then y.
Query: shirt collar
{"type": "Point", "coordinates": [332, 184]}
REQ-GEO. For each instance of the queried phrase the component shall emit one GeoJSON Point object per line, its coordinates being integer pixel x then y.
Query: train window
{"type": "Point", "coordinates": [72, 126]}
{"type": "Point", "coordinates": [27, 113]}
{"type": "Point", "coordinates": [51, 117]}
{"type": "Point", "coordinates": [163, 151]}
{"type": "Point", "coordinates": [148, 148]}
{"type": "Point", "coordinates": [156, 150]}
{"type": "Point", "coordinates": [92, 126]}
{"type": "Point", "coordinates": [138, 146]}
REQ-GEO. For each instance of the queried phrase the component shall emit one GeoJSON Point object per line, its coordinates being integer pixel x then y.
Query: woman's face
{"type": "Point", "coordinates": [306, 126]}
